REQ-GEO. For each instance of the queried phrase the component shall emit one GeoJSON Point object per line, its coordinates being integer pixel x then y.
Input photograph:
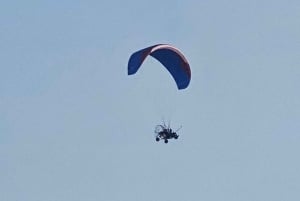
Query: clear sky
{"type": "Point", "coordinates": [75, 127]}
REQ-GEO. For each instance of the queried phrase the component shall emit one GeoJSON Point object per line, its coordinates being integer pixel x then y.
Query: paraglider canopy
{"type": "Point", "coordinates": [169, 56]}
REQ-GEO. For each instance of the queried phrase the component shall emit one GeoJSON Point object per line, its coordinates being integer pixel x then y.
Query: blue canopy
{"type": "Point", "coordinates": [170, 57]}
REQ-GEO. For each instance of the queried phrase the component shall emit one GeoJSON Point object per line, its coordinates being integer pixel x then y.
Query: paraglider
{"type": "Point", "coordinates": [174, 61]}
{"type": "Point", "coordinates": [170, 57]}
{"type": "Point", "coordinates": [165, 133]}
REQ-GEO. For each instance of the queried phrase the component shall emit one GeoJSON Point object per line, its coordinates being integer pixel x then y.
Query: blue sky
{"type": "Point", "coordinates": [74, 126]}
